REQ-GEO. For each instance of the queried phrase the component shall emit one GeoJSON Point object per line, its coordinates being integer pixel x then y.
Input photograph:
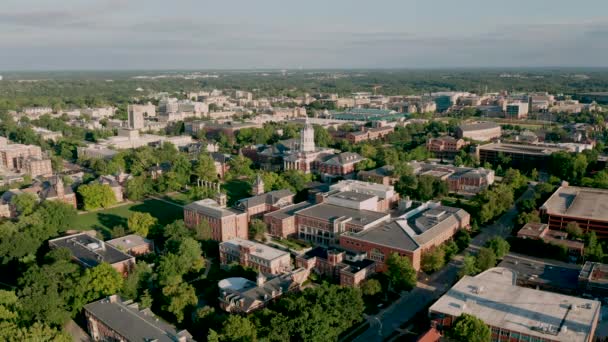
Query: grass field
{"type": "Point", "coordinates": [104, 220]}
{"type": "Point", "coordinates": [178, 197]}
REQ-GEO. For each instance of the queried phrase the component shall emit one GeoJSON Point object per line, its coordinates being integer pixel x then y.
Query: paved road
{"type": "Point", "coordinates": [429, 290]}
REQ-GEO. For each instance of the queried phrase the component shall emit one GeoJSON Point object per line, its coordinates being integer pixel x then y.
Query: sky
{"type": "Point", "coordinates": [312, 34]}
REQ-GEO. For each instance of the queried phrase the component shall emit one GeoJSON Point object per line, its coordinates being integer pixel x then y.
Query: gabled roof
{"type": "Point", "coordinates": [132, 323]}
{"type": "Point", "coordinates": [343, 158]}
{"type": "Point", "coordinates": [270, 198]}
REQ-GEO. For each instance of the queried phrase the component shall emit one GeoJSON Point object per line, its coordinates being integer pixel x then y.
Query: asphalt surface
{"type": "Point", "coordinates": [428, 290]}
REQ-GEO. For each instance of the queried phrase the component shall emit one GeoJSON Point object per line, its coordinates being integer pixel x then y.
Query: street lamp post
{"type": "Point", "coordinates": [379, 325]}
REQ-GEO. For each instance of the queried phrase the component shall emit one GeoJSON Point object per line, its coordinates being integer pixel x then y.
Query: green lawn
{"type": "Point", "coordinates": [104, 220]}
{"type": "Point", "coordinates": [178, 197]}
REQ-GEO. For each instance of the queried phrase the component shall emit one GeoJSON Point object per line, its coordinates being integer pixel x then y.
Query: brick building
{"type": "Point", "coordinates": [541, 231]}
{"type": "Point", "coordinates": [369, 134]}
{"type": "Point", "coordinates": [112, 319]}
{"type": "Point", "coordinates": [384, 175]}
{"type": "Point", "coordinates": [239, 295]}
{"type": "Point", "coordinates": [24, 159]}
{"type": "Point", "coordinates": [133, 244]}
{"type": "Point", "coordinates": [225, 223]}
{"type": "Point", "coordinates": [586, 206]}
{"type": "Point", "coordinates": [351, 194]}
{"type": "Point", "coordinates": [323, 223]}
{"type": "Point", "coordinates": [445, 147]}
{"type": "Point", "coordinates": [523, 156]}
{"type": "Point", "coordinates": [342, 164]}
{"type": "Point", "coordinates": [349, 268]}
{"type": "Point", "coordinates": [410, 235]}
{"type": "Point", "coordinates": [463, 180]}
{"type": "Point", "coordinates": [282, 223]}
{"type": "Point", "coordinates": [52, 189]}
{"type": "Point", "coordinates": [257, 206]}
{"type": "Point", "coordinates": [89, 251]}
{"type": "Point", "coordinates": [252, 254]}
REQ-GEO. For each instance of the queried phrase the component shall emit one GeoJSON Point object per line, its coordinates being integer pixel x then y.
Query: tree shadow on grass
{"type": "Point", "coordinates": [109, 221]}
{"type": "Point", "coordinates": [165, 213]}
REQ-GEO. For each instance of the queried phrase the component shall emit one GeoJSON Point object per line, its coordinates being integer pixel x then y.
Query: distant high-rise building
{"type": "Point", "coordinates": [136, 118]}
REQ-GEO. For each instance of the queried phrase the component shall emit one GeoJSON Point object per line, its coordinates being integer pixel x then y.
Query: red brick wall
{"type": "Point", "coordinates": [349, 243]}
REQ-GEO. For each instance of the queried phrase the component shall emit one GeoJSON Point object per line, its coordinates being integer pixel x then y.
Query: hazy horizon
{"type": "Point", "coordinates": [114, 35]}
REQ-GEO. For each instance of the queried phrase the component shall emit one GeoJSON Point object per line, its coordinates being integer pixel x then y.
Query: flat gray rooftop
{"type": "Point", "coordinates": [478, 126]}
{"type": "Point", "coordinates": [353, 196]}
{"type": "Point", "coordinates": [289, 210]}
{"type": "Point", "coordinates": [587, 203]}
{"type": "Point", "coordinates": [493, 297]}
{"type": "Point", "coordinates": [257, 249]}
{"type": "Point", "coordinates": [521, 148]}
{"type": "Point", "coordinates": [330, 212]}
{"type": "Point", "coordinates": [89, 250]}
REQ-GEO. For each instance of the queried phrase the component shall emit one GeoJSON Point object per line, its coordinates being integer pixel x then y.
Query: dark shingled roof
{"type": "Point", "coordinates": [132, 323]}
{"type": "Point", "coordinates": [270, 198]}
{"type": "Point", "coordinates": [90, 251]}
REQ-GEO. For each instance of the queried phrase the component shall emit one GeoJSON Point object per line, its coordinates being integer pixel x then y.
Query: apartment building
{"type": "Point", "coordinates": [252, 254]}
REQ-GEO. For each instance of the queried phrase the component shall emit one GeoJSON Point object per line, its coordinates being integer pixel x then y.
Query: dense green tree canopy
{"type": "Point", "coordinates": [400, 272]}
{"type": "Point", "coordinates": [468, 328]}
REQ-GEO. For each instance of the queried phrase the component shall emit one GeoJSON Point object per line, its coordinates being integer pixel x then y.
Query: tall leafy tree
{"type": "Point", "coordinates": [238, 329]}
{"type": "Point", "coordinates": [499, 245]}
{"type": "Point", "coordinates": [433, 260]}
{"type": "Point", "coordinates": [98, 282]}
{"type": "Point", "coordinates": [24, 203]}
{"type": "Point", "coordinates": [469, 266]}
{"type": "Point", "coordinates": [257, 229]}
{"type": "Point", "coordinates": [400, 272]}
{"type": "Point", "coordinates": [468, 328]}
{"type": "Point", "coordinates": [140, 223]}
{"type": "Point", "coordinates": [204, 168]}
{"type": "Point", "coordinates": [485, 259]}
{"type": "Point", "coordinates": [96, 196]}
{"type": "Point", "coordinates": [178, 297]}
